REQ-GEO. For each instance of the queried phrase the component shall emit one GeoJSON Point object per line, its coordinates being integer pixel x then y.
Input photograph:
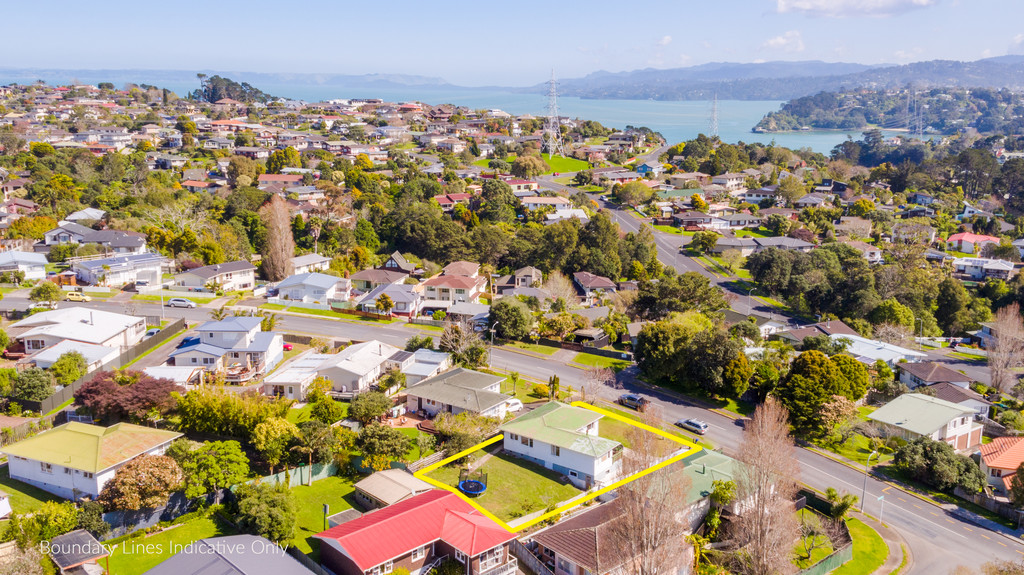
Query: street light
{"type": "Point", "coordinates": [750, 291]}
{"type": "Point", "coordinates": [920, 338]}
{"type": "Point", "coordinates": [490, 351]}
{"type": "Point", "coordinates": [867, 471]}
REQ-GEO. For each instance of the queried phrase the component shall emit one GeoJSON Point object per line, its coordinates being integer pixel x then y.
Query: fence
{"type": "Point", "coordinates": [583, 348]}
{"type": "Point", "coordinates": [427, 461]}
{"type": "Point", "coordinates": [307, 562]}
{"type": "Point", "coordinates": [300, 475]}
{"type": "Point", "coordinates": [359, 313]}
{"type": "Point", "coordinates": [1000, 508]}
{"type": "Point", "coordinates": [68, 392]}
{"type": "Point", "coordinates": [125, 522]}
{"type": "Point", "coordinates": [843, 549]}
{"type": "Point", "coordinates": [424, 321]}
{"type": "Point", "coordinates": [528, 558]}
{"type": "Point", "coordinates": [287, 303]}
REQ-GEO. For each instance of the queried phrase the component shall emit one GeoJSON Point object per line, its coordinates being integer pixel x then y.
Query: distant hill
{"type": "Point", "coordinates": [788, 80]}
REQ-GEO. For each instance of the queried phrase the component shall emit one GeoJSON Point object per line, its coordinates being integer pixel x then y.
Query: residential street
{"type": "Point", "coordinates": [938, 539]}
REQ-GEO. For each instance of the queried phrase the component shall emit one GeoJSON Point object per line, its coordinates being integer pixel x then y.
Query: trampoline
{"type": "Point", "coordinates": [472, 487]}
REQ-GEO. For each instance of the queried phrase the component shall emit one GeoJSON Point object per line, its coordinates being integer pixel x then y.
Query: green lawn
{"type": "Point", "coordinates": [592, 360]}
{"type": "Point", "coordinates": [592, 188]}
{"type": "Point", "coordinates": [968, 356]}
{"type": "Point", "coordinates": [535, 348]}
{"type": "Point", "coordinates": [799, 557]}
{"type": "Point", "coordinates": [869, 550]}
{"type": "Point", "coordinates": [414, 451]}
{"type": "Point", "coordinates": [131, 558]}
{"type": "Point", "coordinates": [24, 497]}
{"type": "Point", "coordinates": [482, 162]}
{"type": "Point", "coordinates": [559, 164]}
{"type": "Point", "coordinates": [669, 229]}
{"type": "Point", "coordinates": [864, 411]}
{"type": "Point", "coordinates": [156, 298]}
{"type": "Point", "coordinates": [515, 487]}
{"type": "Point", "coordinates": [857, 449]}
{"type": "Point", "coordinates": [335, 492]}
{"type": "Point", "coordinates": [758, 233]}
{"type": "Point", "coordinates": [299, 414]}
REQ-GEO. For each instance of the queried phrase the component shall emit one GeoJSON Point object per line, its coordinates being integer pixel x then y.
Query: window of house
{"type": "Point", "coordinates": [419, 553]}
{"type": "Point", "coordinates": [573, 474]}
{"type": "Point", "coordinates": [564, 566]}
{"type": "Point", "coordinates": [555, 450]}
{"type": "Point", "coordinates": [491, 558]}
{"type": "Point", "coordinates": [997, 473]}
{"type": "Point", "coordinates": [388, 567]}
{"type": "Point", "coordinates": [195, 360]}
{"type": "Point", "coordinates": [87, 475]}
{"type": "Point", "coordinates": [67, 471]}
{"type": "Point", "coordinates": [374, 571]}
{"type": "Point", "coordinates": [46, 467]}
{"type": "Point", "coordinates": [526, 441]}
{"type": "Point", "coordinates": [459, 556]}
{"type": "Point", "coordinates": [513, 436]}
{"type": "Point", "coordinates": [460, 291]}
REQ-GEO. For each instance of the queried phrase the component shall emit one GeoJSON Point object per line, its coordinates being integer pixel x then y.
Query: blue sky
{"type": "Point", "coordinates": [498, 43]}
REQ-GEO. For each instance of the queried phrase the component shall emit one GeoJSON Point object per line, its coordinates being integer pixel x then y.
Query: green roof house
{"type": "Point", "coordinates": [914, 415]}
{"type": "Point", "coordinates": [563, 438]}
{"type": "Point", "coordinates": [76, 460]}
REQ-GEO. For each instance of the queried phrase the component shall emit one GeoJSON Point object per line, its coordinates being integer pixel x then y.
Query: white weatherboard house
{"type": "Point", "coordinates": [93, 326]}
{"type": "Point", "coordinates": [314, 288]}
{"type": "Point", "coordinates": [76, 460]}
{"type": "Point", "coordinates": [32, 264]}
{"type": "Point", "coordinates": [230, 276]}
{"type": "Point", "coordinates": [236, 344]}
{"type": "Point", "coordinates": [119, 270]}
{"type": "Point", "coordinates": [563, 438]}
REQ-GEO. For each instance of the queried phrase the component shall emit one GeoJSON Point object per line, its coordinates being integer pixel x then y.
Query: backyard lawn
{"type": "Point", "coordinates": [309, 501]}
{"type": "Point", "coordinates": [299, 414]}
{"type": "Point", "coordinates": [592, 360]}
{"type": "Point", "coordinates": [869, 550]}
{"type": "Point", "coordinates": [515, 487]}
{"type": "Point", "coordinates": [799, 557]}
{"type": "Point", "coordinates": [758, 233]}
{"type": "Point", "coordinates": [131, 558]}
{"type": "Point", "coordinates": [414, 451]}
{"type": "Point", "coordinates": [24, 497]}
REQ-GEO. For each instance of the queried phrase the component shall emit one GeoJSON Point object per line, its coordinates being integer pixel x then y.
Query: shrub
{"type": "Point", "coordinates": [540, 390]}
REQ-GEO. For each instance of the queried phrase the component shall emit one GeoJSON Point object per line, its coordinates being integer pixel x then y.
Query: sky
{"type": "Point", "coordinates": [486, 43]}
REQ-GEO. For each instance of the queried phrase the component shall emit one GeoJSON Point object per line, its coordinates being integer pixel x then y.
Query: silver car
{"type": "Point", "coordinates": [180, 302]}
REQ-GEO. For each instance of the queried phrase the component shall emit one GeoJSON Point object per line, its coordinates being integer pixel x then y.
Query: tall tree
{"type": "Point", "coordinates": [143, 483]}
{"type": "Point", "coordinates": [1007, 352]}
{"type": "Point", "coordinates": [765, 483]}
{"type": "Point", "coordinates": [214, 465]}
{"type": "Point", "coordinates": [271, 439]}
{"type": "Point", "coordinates": [280, 243]}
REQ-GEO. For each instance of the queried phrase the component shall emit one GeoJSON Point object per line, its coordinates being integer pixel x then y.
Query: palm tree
{"type": "Point", "coordinates": [220, 313]}
{"type": "Point", "coordinates": [841, 503]}
{"type": "Point", "coordinates": [316, 438]}
{"type": "Point", "coordinates": [269, 321]}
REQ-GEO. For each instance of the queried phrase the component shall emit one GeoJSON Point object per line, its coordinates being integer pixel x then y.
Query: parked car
{"type": "Point", "coordinates": [695, 425]}
{"type": "Point", "coordinates": [42, 305]}
{"type": "Point", "coordinates": [514, 405]}
{"type": "Point", "coordinates": [150, 333]}
{"type": "Point", "coordinates": [180, 302]}
{"type": "Point", "coordinates": [634, 401]}
{"type": "Point", "coordinates": [288, 347]}
{"type": "Point", "coordinates": [76, 296]}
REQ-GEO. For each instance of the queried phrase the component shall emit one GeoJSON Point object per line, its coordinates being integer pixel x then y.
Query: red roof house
{"type": "Point", "coordinates": [416, 533]}
{"type": "Point", "coordinates": [970, 243]}
{"type": "Point", "coordinates": [1000, 460]}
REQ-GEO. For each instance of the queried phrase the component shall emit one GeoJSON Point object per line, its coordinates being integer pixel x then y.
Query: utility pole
{"type": "Point", "coordinates": [867, 471]}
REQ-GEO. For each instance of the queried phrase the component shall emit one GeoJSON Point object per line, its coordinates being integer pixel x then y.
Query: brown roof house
{"type": "Point", "coordinates": [914, 375]}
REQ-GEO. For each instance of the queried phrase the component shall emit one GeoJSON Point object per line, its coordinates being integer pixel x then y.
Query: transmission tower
{"type": "Point", "coordinates": [553, 132]}
{"type": "Point", "coordinates": [713, 123]}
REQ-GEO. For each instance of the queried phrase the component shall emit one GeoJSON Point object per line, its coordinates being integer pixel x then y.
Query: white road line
{"type": "Point", "coordinates": [902, 509]}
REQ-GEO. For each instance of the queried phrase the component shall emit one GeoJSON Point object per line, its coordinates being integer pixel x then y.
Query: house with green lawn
{"type": "Point", "coordinates": [565, 439]}
{"type": "Point", "coordinates": [77, 460]}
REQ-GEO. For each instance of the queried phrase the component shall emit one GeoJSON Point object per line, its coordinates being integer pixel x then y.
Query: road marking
{"type": "Point", "coordinates": [950, 520]}
{"type": "Point", "coordinates": [901, 499]}
{"type": "Point", "coordinates": [1001, 543]}
{"type": "Point", "coordinates": [916, 505]}
{"type": "Point", "coordinates": [886, 490]}
{"type": "Point", "coordinates": [968, 528]}
{"type": "Point", "coordinates": [934, 513]}
{"type": "Point", "coordinates": [985, 536]}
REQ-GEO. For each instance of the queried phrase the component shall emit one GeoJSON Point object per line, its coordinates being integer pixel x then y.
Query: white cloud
{"type": "Point", "coordinates": [905, 55]}
{"type": "Point", "coordinates": [841, 8]}
{"type": "Point", "coordinates": [665, 40]}
{"type": "Point", "coordinates": [789, 42]}
{"type": "Point", "coordinates": [1017, 45]}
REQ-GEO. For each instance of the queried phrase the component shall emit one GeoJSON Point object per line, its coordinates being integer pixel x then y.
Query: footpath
{"type": "Point", "coordinates": [899, 551]}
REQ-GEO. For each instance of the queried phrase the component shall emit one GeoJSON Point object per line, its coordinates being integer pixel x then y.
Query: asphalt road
{"type": "Point", "coordinates": [938, 539]}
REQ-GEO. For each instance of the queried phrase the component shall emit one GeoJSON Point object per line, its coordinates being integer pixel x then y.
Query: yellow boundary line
{"type": "Point", "coordinates": [693, 449]}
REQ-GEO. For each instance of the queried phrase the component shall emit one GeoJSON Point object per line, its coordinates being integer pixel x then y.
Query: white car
{"type": "Point", "coordinates": [180, 302]}
{"type": "Point", "coordinates": [514, 405]}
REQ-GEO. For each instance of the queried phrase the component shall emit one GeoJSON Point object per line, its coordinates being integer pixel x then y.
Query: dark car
{"type": "Point", "coordinates": [634, 401]}
{"type": "Point", "coordinates": [695, 425]}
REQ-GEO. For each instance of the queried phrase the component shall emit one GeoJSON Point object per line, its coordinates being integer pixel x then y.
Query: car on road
{"type": "Point", "coordinates": [695, 425]}
{"type": "Point", "coordinates": [514, 405]}
{"type": "Point", "coordinates": [150, 333]}
{"type": "Point", "coordinates": [634, 401]}
{"type": "Point", "coordinates": [76, 296]}
{"type": "Point", "coordinates": [42, 306]}
{"type": "Point", "coordinates": [180, 302]}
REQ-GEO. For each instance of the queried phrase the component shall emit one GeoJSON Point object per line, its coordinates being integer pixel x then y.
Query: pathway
{"type": "Point", "coordinates": [893, 540]}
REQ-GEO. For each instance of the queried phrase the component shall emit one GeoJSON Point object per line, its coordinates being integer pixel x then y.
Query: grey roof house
{"type": "Point", "coordinates": [456, 391]}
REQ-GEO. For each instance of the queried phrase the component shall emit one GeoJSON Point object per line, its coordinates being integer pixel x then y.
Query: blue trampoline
{"type": "Point", "coordinates": [472, 487]}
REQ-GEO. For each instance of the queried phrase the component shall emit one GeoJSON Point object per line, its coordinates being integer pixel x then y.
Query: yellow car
{"type": "Point", "coordinates": [76, 296]}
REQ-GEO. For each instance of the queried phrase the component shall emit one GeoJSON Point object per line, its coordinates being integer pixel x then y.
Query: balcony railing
{"type": "Point", "coordinates": [508, 568]}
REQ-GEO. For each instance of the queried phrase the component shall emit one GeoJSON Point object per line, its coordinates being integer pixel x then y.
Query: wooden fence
{"type": "Point", "coordinates": [1000, 508]}
{"type": "Point", "coordinates": [427, 461]}
{"type": "Point", "coordinates": [307, 562]}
